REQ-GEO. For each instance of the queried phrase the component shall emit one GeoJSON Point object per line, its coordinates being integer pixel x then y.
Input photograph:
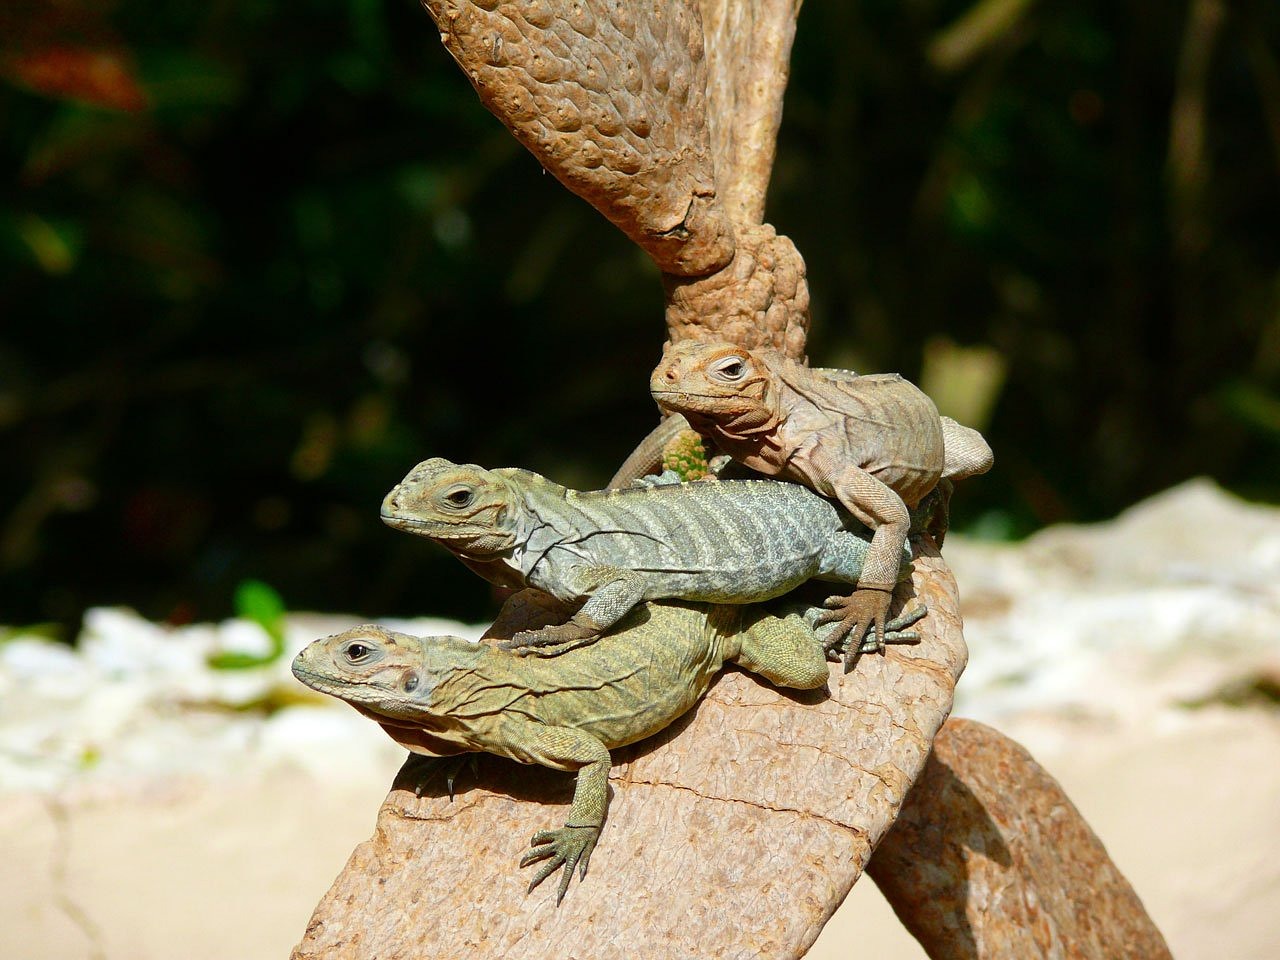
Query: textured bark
{"type": "Point", "coordinates": [760, 300]}
{"type": "Point", "coordinates": [669, 137]}
{"type": "Point", "coordinates": [611, 98]}
{"type": "Point", "coordinates": [748, 61]}
{"type": "Point", "coordinates": [736, 833]}
{"type": "Point", "coordinates": [989, 859]}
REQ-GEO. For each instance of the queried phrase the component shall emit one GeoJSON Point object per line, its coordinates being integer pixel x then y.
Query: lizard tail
{"type": "Point", "coordinates": [966, 453]}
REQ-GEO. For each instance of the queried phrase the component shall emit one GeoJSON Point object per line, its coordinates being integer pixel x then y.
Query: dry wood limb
{"type": "Point", "coordinates": [735, 834]}
{"type": "Point", "coordinates": [760, 300]}
{"type": "Point", "coordinates": [748, 59]}
{"type": "Point", "coordinates": [989, 859]}
{"type": "Point", "coordinates": [610, 97]}
{"type": "Point", "coordinates": [613, 98]}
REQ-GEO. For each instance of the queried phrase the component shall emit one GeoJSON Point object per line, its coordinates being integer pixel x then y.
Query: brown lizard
{"type": "Point", "coordinates": [874, 443]}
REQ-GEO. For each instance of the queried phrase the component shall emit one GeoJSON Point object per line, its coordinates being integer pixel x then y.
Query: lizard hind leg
{"type": "Point", "coordinates": [783, 650]}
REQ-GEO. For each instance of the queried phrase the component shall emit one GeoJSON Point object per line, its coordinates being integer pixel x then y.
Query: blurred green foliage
{"type": "Point", "coordinates": [258, 603]}
{"type": "Point", "coordinates": [256, 260]}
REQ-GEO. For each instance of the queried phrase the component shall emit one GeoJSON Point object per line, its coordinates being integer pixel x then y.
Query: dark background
{"type": "Point", "coordinates": [257, 259]}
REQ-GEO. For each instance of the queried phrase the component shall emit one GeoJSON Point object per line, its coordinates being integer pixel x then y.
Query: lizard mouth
{"type": "Point", "coordinates": [664, 397]}
{"type": "Point", "coordinates": [322, 681]}
{"type": "Point", "coordinates": [438, 532]}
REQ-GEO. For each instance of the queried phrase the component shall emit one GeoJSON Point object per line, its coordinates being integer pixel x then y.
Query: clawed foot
{"type": "Point", "coordinates": [865, 610]}
{"type": "Point", "coordinates": [550, 641]}
{"type": "Point", "coordinates": [895, 632]}
{"type": "Point", "coordinates": [567, 847]}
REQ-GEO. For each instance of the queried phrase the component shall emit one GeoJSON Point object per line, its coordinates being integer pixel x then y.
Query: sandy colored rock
{"type": "Point", "coordinates": [743, 826]}
{"type": "Point", "coordinates": [989, 859]}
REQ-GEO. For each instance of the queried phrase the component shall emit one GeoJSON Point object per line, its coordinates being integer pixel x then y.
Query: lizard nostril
{"type": "Point", "coordinates": [670, 374]}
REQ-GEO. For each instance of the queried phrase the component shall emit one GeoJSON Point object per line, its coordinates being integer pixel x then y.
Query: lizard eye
{"type": "Point", "coordinates": [460, 497]}
{"type": "Point", "coordinates": [357, 652]}
{"type": "Point", "coordinates": [410, 683]}
{"type": "Point", "coordinates": [731, 369]}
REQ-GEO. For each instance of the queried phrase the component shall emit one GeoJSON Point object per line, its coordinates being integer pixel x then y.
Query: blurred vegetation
{"type": "Point", "coordinates": [258, 603]}
{"type": "Point", "coordinates": [256, 260]}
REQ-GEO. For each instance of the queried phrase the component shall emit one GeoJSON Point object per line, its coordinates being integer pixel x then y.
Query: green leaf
{"type": "Point", "coordinates": [256, 601]}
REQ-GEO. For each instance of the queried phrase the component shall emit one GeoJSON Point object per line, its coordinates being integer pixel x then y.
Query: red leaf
{"type": "Point", "coordinates": [102, 77]}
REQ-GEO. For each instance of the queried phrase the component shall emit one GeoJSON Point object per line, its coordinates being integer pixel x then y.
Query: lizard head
{"type": "Point", "coordinates": [383, 672]}
{"type": "Point", "coordinates": [468, 509]}
{"type": "Point", "coordinates": [715, 382]}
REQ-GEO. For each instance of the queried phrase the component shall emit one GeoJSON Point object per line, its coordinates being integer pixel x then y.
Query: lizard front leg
{"type": "Point", "coordinates": [612, 592]}
{"type": "Point", "coordinates": [570, 847]}
{"type": "Point", "coordinates": [881, 509]}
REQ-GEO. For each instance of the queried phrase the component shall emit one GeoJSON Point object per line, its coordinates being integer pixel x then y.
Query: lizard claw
{"type": "Point", "coordinates": [426, 768]}
{"type": "Point", "coordinates": [562, 637]}
{"type": "Point", "coordinates": [854, 616]}
{"type": "Point", "coordinates": [567, 847]}
{"type": "Point", "coordinates": [895, 631]}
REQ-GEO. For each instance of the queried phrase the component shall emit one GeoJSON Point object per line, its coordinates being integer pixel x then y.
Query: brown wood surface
{"type": "Point", "coordinates": [990, 860]}
{"type": "Point", "coordinates": [735, 834]}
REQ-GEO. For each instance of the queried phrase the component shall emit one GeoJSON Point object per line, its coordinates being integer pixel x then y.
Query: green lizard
{"type": "Point", "coordinates": [876, 444]}
{"type": "Point", "coordinates": [738, 541]}
{"type": "Point", "coordinates": [443, 696]}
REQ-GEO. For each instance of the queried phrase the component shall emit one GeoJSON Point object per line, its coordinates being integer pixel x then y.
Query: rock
{"type": "Point", "coordinates": [1120, 624]}
{"type": "Point", "coordinates": [736, 833]}
{"type": "Point", "coordinates": [989, 859]}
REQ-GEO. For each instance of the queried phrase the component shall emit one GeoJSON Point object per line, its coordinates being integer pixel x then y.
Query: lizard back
{"type": "Point", "coordinates": [726, 541]}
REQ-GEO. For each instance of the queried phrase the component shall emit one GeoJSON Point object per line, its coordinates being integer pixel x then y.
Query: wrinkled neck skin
{"type": "Point", "coordinates": [499, 544]}
{"type": "Point", "coordinates": [758, 417]}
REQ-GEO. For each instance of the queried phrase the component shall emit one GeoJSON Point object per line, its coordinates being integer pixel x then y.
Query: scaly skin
{"type": "Point", "coordinates": [739, 541]}
{"type": "Point", "coordinates": [441, 696]}
{"type": "Point", "coordinates": [874, 443]}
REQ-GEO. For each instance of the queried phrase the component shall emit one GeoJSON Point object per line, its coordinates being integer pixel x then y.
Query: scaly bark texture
{"type": "Point", "coordinates": [989, 859]}
{"type": "Point", "coordinates": [735, 834]}
{"type": "Point", "coordinates": [761, 299]}
{"type": "Point", "coordinates": [668, 134]}
{"type": "Point", "coordinates": [610, 97]}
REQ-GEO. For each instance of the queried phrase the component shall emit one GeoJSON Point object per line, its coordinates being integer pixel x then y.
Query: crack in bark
{"type": "Point", "coordinates": [450, 814]}
{"type": "Point", "coordinates": [808, 814]}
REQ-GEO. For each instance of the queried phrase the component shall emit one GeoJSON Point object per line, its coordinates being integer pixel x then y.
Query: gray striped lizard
{"type": "Point", "coordinates": [733, 541]}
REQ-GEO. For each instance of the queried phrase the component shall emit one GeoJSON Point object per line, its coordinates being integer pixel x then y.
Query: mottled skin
{"type": "Point", "coordinates": [442, 696]}
{"type": "Point", "coordinates": [739, 541]}
{"type": "Point", "coordinates": [874, 443]}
